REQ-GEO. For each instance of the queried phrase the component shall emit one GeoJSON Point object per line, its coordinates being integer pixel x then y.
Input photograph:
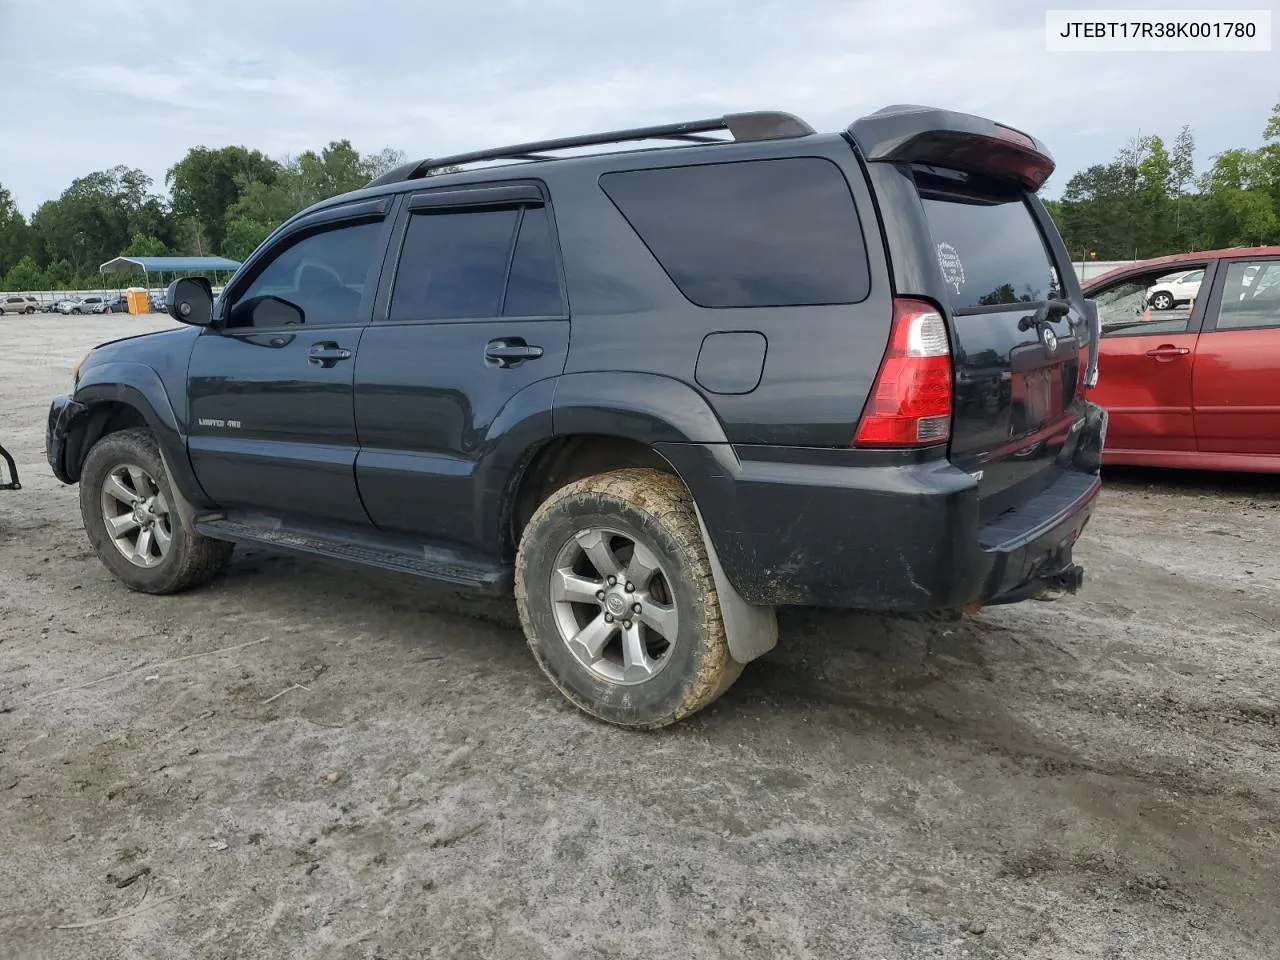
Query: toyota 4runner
{"type": "Point", "coordinates": [654, 392]}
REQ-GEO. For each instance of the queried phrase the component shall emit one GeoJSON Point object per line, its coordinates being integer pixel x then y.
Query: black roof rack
{"type": "Point", "coordinates": [762, 125]}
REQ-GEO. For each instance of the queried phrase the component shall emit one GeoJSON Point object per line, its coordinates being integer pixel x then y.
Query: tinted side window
{"type": "Point", "coordinates": [318, 281]}
{"type": "Point", "coordinates": [533, 289]}
{"type": "Point", "coordinates": [1250, 296]}
{"type": "Point", "coordinates": [453, 265]}
{"type": "Point", "coordinates": [762, 233]}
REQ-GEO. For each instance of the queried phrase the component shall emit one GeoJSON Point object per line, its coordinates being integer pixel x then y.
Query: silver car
{"type": "Point", "coordinates": [92, 304]}
{"type": "Point", "coordinates": [16, 304]}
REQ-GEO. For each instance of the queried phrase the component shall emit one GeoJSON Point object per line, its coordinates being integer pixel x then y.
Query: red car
{"type": "Point", "coordinates": [1198, 386]}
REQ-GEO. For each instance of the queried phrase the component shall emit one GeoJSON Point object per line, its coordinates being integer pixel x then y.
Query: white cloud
{"type": "Point", "coordinates": [88, 84]}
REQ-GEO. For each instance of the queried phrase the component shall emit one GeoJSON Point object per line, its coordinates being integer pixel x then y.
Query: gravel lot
{"type": "Point", "coordinates": [304, 761]}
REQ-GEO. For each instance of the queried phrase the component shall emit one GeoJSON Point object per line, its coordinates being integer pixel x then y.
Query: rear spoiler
{"type": "Point", "coordinates": [959, 141]}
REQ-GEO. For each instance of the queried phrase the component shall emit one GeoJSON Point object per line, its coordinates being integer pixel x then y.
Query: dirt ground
{"type": "Point", "coordinates": [302, 761]}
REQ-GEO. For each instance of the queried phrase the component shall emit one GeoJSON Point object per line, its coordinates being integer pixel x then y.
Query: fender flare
{"type": "Point", "coordinates": [138, 386]}
{"type": "Point", "coordinates": [660, 411]}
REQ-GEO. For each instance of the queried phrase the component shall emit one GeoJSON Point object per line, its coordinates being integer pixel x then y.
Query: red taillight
{"type": "Point", "coordinates": [910, 404]}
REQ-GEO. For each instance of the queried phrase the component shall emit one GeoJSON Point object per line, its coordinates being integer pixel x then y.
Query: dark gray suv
{"type": "Point", "coordinates": [655, 393]}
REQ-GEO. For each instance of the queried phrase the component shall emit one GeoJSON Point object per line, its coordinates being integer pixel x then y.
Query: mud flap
{"type": "Point", "coordinates": [751, 630]}
{"type": "Point", "coordinates": [186, 510]}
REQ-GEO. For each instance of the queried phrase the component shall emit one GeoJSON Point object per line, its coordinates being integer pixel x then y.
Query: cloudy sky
{"type": "Point", "coordinates": [87, 84]}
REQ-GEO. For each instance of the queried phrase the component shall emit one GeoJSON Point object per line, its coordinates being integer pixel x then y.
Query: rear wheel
{"type": "Point", "coordinates": [1162, 301]}
{"type": "Point", "coordinates": [617, 600]}
{"type": "Point", "coordinates": [128, 508]}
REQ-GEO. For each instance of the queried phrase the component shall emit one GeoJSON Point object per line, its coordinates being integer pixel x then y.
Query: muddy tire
{"type": "Point", "coordinates": [616, 598]}
{"type": "Point", "coordinates": [132, 521]}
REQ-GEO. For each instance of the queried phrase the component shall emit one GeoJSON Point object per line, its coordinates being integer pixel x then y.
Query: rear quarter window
{"type": "Point", "coordinates": [989, 248]}
{"type": "Point", "coordinates": [757, 233]}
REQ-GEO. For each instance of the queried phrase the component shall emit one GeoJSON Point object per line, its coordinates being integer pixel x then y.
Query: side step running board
{"type": "Point", "coordinates": [440, 564]}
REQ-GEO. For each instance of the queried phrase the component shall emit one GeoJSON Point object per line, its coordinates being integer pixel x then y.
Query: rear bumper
{"type": "Point", "coordinates": [863, 533]}
{"type": "Point", "coordinates": [62, 411]}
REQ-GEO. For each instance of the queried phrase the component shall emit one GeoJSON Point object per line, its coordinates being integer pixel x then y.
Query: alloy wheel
{"type": "Point", "coordinates": [613, 606]}
{"type": "Point", "coordinates": [137, 516]}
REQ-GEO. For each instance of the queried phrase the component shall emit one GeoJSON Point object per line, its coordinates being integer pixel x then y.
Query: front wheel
{"type": "Point", "coordinates": [129, 513]}
{"type": "Point", "coordinates": [617, 600]}
{"type": "Point", "coordinates": [1162, 301]}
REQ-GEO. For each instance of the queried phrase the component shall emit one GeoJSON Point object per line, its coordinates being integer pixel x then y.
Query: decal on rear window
{"type": "Point", "coordinates": [951, 264]}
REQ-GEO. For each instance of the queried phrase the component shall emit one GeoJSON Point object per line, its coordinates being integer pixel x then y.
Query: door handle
{"type": "Point", "coordinates": [1167, 351]}
{"type": "Point", "coordinates": [510, 352]}
{"type": "Point", "coordinates": [327, 353]}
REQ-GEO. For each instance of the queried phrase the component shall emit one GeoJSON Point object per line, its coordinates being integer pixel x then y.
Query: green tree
{"type": "Point", "coordinates": [1242, 192]}
{"type": "Point", "coordinates": [1181, 174]}
{"type": "Point", "coordinates": [61, 276]}
{"type": "Point", "coordinates": [1253, 217]}
{"type": "Point", "coordinates": [1272, 130]}
{"type": "Point", "coordinates": [206, 183]}
{"type": "Point", "coordinates": [15, 233]}
{"type": "Point", "coordinates": [143, 245]}
{"type": "Point", "coordinates": [96, 218]}
{"type": "Point", "coordinates": [24, 275]}
{"type": "Point", "coordinates": [300, 181]}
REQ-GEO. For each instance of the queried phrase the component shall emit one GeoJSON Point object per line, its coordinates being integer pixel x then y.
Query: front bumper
{"type": "Point", "coordinates": [57, 443]}
{"type": "Point", "coordinates": [866, 534]}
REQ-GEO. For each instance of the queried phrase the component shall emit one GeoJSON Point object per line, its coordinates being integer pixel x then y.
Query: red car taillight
{"type": "Point", "coordinates": [910, 404]}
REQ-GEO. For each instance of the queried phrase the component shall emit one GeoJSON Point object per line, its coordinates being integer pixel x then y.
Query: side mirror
{"type": "Point", "coordinates": [190, 300]}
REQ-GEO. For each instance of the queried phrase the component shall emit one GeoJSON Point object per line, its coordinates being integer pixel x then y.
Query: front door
{"type": "Point", "coordinates": [1145, 364]}
{"type": "Point", "coordinates": [272, 423]}
{"type": "Point", "coordinates": [1237, 376]}
{"type": "Point", "coordinates": [475, 314]}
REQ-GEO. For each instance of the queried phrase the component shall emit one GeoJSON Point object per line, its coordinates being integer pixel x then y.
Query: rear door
{"type": "Point", "coordinates": [1236, 385]}
{"type": "Point", "coordinates": [1018, 365]}
{"type": "Point", "coordinates": [474, 313]}
{"type": "Point", "coordinates": [1145, 366]}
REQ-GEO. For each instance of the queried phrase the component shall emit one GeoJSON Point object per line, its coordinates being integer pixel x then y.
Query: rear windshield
{"type": "Point", "coordinates": [988, 246]}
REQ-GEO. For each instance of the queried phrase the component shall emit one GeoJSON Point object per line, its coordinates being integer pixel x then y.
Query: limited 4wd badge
{"type": "Point", "coordinates": [952, 267]}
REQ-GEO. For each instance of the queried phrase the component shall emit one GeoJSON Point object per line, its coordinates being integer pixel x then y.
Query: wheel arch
{"type": "Point", "coordinates": [602, 422]}
{"type": "Point", "coordinates": [120, 395]}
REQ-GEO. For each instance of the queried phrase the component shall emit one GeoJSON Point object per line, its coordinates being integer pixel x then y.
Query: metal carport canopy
{"type": "Point", "coordinates": [168, 264]}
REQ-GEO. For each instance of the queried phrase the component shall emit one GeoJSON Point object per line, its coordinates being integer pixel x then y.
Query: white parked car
{"type": "Point", "coordinates": [1175, 290]}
